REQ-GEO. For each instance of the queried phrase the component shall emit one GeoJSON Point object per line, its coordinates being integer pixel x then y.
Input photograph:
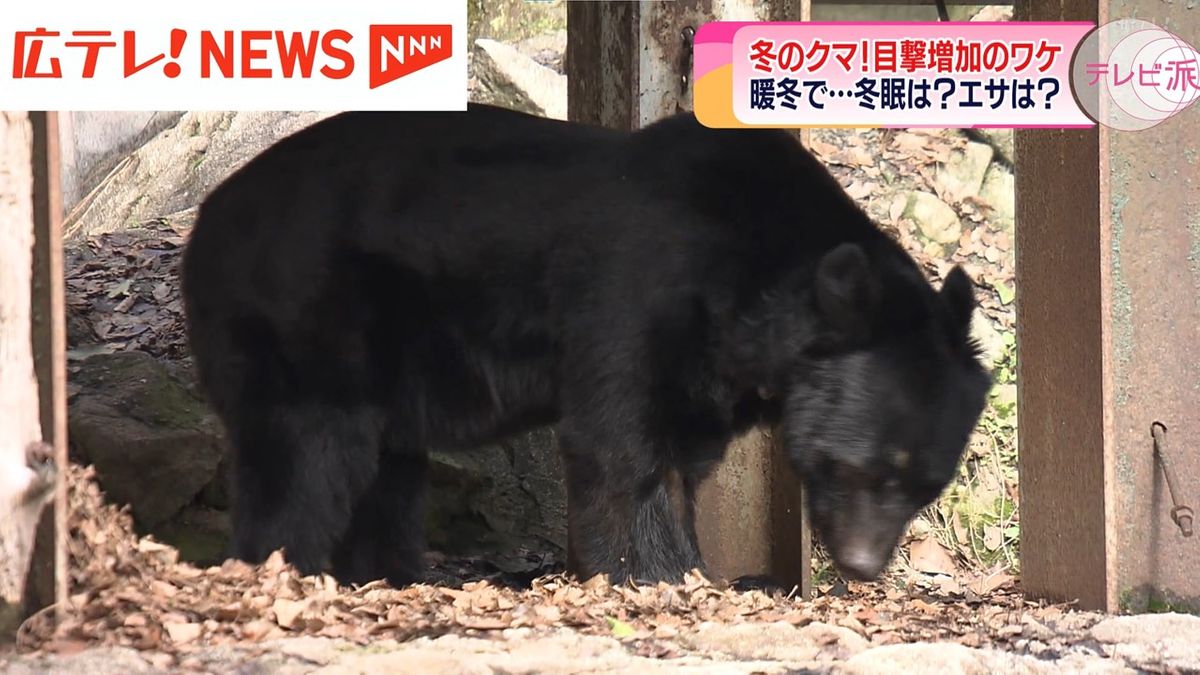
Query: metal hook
{"type": "Point", "coordinates": [1181, 515]}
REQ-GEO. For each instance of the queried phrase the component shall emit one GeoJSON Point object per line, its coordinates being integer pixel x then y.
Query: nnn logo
{"type": "Point", "coordinates": [398, 50]}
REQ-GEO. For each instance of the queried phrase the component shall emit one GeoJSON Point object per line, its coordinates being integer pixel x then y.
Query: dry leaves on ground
{"type": "Point", "coordinates": [122, 291]}
{"type": "Point", "coordinates": [133, 592]}
{"type": "Point", "coordinates": [875, 166]}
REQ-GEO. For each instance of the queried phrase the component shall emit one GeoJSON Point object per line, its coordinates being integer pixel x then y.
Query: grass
{"type": "Point", "coordinates": [977, 517]}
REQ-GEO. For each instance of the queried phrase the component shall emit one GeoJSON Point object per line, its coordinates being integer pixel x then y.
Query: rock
{"type": "Point", "coordinates": [935, 219]}
{"type": "Point", "coordinates": [1155, 642]}
{"type": "Point", "coordinates": [548, 49]}
{"type": "Point", "coordinates": [157, 448]}
{"type": "Point", "coordinates": [152, 440]}
{"type": "Point", "coordinates": [514, 20]}
{"type": "Point", "coordinates": [1001, 140]}
{"type": "Point", "coordinates": [990, 340]}
{"type": "Point", "coordinates": [201, 534]}
{"type": "Point", "coordinates": [93, 143]}
{"type": "Point", "coordinates": [96, 661]}
{"type": "Point", "coordinates": [216, 494]}
{"type": "Point", "coordinates": [555, 652]}
{"type": "Point", "coordinates": [514, 80]}
{"type": "Point", "coordinates": [962, 176]}
{"type": "Point", "coordinates": [497, 496]}
{"type": "Point", "coordinates": [777, 641]}
{"type": "Point", "coordinates": [173, 171]}
{"type": "Point", "coordinates": [1004, 395]}
{"type": "Point", "coordinates": [939, 658]}
{"type": "Point", "coordinates": [1000, 193]}
{"type": "Point", "coordinates": [994, 13]}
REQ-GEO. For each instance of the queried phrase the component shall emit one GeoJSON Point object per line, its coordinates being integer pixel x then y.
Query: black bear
{"type": "Point", "coordinates": [380, 284]}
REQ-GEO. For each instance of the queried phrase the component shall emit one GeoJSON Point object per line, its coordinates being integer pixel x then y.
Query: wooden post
{"type": "Point", "coordinates": [48, 574]}
{"type": "Point", "coordinates": [27, 469]}
{"type": "Point", "coordinates": [1108, 338]}
{"type": "Point", "coordinates": [627, 66]}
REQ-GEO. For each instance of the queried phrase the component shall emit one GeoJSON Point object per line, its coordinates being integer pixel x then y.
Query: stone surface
{"type": "Point", "coordinates": [548, 49]}
{"type": "Point", "coordinates": [514, 20]}
{"type": "Point", "coordinates": [93, 142]}
{"type": "Point", "coordinates": [939, 658]}
{"type": "Point", "coordinates": [999, 193]}
{"type": "Point", "coordinates": [106, 661]}
{"type": "Point", "coordinates": [498, 496]}
{"type": "Point", "coordinates": [152, 440]}
{"type": "Point", "coordinates": [1005, 395]}
{"type": "Point", "coordinates": [201, 534]}
{"type": "Point", "coordinates": [736, 649]}
{"type": "Point", "coordinates": [175, 170]}
{"type": "Point", "coordinates": [1153, 642]}
{"type": "Point", "coordinates": [962, 176]}
{"type": "Point", "coordinates": [776, 641]}
{"type": "Point", "coordinates": [935, 219]}
{"type": "Point", "coordinates": [514, 80]}
{"type": "Point", "coordinates": [157, 448]}
{"type": "Point", "coordinates": [1001, 140]}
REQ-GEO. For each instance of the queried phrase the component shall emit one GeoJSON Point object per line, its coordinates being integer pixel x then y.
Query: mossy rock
{"type": "Point", "coordinates": [152, 439]}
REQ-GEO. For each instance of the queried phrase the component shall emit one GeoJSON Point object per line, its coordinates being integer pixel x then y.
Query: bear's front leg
{"type": "Point", "coordinates": [629, 513]}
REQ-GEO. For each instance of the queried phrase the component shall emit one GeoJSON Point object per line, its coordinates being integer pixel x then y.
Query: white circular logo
{"type": "Point", "coordinates": [1130, 75]}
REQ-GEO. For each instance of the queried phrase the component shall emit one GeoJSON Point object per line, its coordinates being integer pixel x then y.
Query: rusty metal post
{"type": "Point", "coordinates": [628, 64]}
{"type": "Point", "coordinates": [1108, 337]}
{"type": "Point", "coordinates": [47, 581]}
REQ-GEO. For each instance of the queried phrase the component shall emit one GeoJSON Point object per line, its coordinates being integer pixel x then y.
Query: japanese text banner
{"type": "Point", "coordinates": [979, 74]}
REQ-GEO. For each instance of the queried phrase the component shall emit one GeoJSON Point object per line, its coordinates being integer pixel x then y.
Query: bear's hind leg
{"type": "Point", "coordinates": [625, 518]}
{"type": "Point", "coordinates": [298, 472]}
{"type": "Point", "coordinates": [386, 538]}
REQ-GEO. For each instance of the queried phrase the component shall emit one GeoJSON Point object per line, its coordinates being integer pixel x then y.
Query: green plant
{"type": "Point", "coordinates": [977, 516]}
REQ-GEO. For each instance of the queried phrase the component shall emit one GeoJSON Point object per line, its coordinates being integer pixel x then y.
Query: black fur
{"type": "Point", "coordinates": [385, 283]}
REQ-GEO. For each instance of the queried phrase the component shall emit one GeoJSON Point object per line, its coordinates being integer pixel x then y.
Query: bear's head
{"type": "Point", "coordinates": [879, 387]}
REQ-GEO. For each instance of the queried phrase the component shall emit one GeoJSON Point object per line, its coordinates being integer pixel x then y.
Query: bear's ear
{"type": "Point", "coordinates": [958, 291]}
{"type": "Point", "coordinates": [845, 291]}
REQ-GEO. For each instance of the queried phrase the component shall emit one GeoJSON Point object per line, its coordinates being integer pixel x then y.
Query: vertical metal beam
{"type": "Point", "coordinates": [47, 581]}
{"type": "Point", "coordinates": [625, 62]}
{"type": "Point", "coordinates": [1108, 273]}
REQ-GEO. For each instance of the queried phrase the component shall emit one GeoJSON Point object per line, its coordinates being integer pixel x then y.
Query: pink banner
{"type": "Point", "coordinates": [1010, 74]}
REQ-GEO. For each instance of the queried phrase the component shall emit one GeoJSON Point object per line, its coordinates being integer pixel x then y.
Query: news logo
{"type": "Point", "coordinates": [887, 75]}
{"type": "Point", "coordinates": [397, 51]}
{"type": "Point", "coordinates": [222, 55]}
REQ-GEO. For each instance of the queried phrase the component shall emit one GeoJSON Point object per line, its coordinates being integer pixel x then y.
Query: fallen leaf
{"type": "Point", "coordinates": [183, 633]}
{"type": "Point", "coordinates": [822, 149]}
{"type": "Point", "coordinates": [860, 190]}
{"type": "Point", "coordinates": [928, 556]}
{"type": "Point", "coordinates": [619, 628]}
{"type": "Point", "coordinates": [985, 584]}
{"type": "Point", "coordinates": [993, 537]}
{"type": "Point", "coordinates": [1005, 292]}
{"type": "Point", "coordinates": [120, 289]}
{"type": "Point", "coordinates": [287, 611]}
